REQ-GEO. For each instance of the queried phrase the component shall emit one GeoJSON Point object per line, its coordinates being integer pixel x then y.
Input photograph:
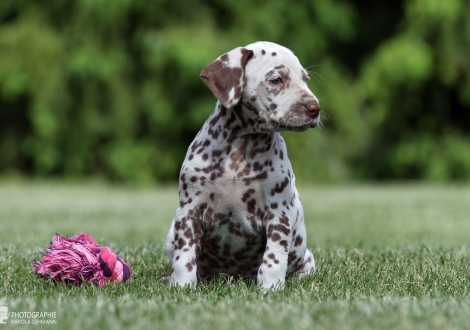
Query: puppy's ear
{"type": "Point", "coordinates": [226, 76]}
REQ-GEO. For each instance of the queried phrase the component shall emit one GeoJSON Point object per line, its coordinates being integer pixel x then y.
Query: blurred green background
{"type": "Point", "coordinates": [111, 88]}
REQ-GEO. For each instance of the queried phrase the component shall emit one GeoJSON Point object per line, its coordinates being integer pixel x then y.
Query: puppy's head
{"type": "Point", "coordinates": [269, 83]}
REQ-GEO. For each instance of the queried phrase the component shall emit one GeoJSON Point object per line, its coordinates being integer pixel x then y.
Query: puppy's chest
{"type": "Point", "coordinates": [244, 188]}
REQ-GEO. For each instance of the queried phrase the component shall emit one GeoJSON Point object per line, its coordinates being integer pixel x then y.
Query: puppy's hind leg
{"type": "Point", "coordinates": [170, 247]}
{"type": "Point", "coordinates": [170, 242]}
{"type": "Point", "coordinates": [308, 265]}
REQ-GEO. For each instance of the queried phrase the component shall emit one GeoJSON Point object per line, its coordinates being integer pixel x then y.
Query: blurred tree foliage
{"type": "Point", "coordinates": [111, 87]}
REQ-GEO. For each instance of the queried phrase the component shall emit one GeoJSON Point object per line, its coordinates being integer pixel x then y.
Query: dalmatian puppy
{"type": "Point", "coordinates": [240, 213]}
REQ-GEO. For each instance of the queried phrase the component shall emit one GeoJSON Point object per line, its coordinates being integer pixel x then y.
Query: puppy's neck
{"type": "Point", "coordinates": [231, 127]}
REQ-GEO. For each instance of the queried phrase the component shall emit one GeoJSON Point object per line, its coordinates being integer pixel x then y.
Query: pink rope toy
{"type": "Point", "coordinates": [79, 259]}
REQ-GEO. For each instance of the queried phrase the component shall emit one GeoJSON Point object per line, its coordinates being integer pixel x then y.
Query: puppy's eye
{"type": "Point", "coordinates": [276, 81]}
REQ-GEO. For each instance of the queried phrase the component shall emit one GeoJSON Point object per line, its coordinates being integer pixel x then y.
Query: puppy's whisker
{"type": "Point", "coordinates": [316, 75]}
{"type": "Point", "coordinates": [324, 115]}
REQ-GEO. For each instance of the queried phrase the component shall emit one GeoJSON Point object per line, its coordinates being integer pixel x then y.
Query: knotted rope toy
{"type": "Point", "coordinates": [79, 260]}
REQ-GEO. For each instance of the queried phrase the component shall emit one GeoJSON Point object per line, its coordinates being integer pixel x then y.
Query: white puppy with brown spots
{"type": "Point", "coordinates": [240, 213]}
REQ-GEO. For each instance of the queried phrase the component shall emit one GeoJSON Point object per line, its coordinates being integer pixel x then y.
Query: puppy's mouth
{"type": "Point", "coordinates": [295, 126]}
{"type": "Point", "coordinates": [301, 128]}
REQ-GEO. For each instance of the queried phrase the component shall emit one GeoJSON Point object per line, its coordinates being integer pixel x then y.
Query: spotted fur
{"type": "Point", "coordinates": [240, 213]}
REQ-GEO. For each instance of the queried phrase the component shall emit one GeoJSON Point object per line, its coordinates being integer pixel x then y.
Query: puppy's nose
{"type": "Point", "coordinates": [313, 108]}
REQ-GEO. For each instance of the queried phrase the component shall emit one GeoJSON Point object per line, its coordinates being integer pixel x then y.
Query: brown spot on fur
{"type": "Point", "coordinates": [257, 167]}
{"type": "Point", "coordinates": [269, 216]}
{"type": "Point", "coordinates": [284, 220]}
{"type": "Point", "coordinates": [275, 237]}
{"type": "Point", "coordinates": [309, 260]}
{"type": "Point", "coordinates": [270, 74]}
{"type": "Point", "coordinates": [247, 194]}
{"type": "Point", "coordinates": [260, 176]}
{"type": "Point", "coordinates": [181, 244]}
{"type": "Point", "coordinates": [189, 267]}
{"type": "Point", "coordinates": [236, 157]}
{"type": "Point", "coordinates": [285, 244]}
{"type": "Point", "coordinates": [291, 257]}
{"type": "Point", "coordinates": [279, 188]}
{"type": "Point", "coordinates": [280, 228]}
{"type": "Point", "coordinates": [188, 233]}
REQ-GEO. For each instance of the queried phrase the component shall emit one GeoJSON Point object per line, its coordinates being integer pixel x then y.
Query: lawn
{"type": "Point", "coordinates": [389, 257]}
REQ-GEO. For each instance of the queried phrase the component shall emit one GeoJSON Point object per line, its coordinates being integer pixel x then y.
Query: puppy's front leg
{"type": "Point", "coordinates": [187, 246]}
{"type": "Point", "coordinates": [272, 272]}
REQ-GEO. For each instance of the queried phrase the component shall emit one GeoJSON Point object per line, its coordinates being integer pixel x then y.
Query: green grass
{"type": "Point", "coordinates": [389, 257]}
